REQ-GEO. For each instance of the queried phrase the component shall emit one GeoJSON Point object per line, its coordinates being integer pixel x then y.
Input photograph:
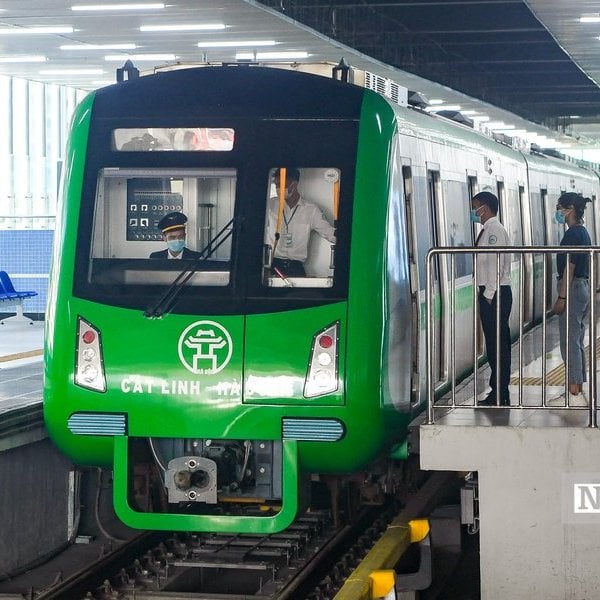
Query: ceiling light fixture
{"type": "Point", "coordinates": [436, 101]}
{"type": "Point", "coordinates": [271, 55]}
{"type": "Point", "coordinates": [108, 7]}
{"type": "Point", "coordinates": [238, 44]}
{"type": "Point", "coordinates": [189, 27]}
{"type": "Point", "coordinates": [592, 18]}
{"type": "Point", "coordinates": [35, 30]}
{"type": "Point", "coordinates": [500, 126]}
{"type": "Point", "coordinates": [119, 57]}
{"type": "Point", "coordinates": [440, 107]}
{"type": "Point", "coordinates": [71, 72]}
{"type": "Point", "coordinates": [98, 47]}
{"type": "Point", "coordinates": [23, 59]}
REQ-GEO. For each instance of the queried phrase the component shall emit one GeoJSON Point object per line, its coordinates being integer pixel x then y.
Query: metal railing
{"type": "Point", "coordinates": [442, 288]}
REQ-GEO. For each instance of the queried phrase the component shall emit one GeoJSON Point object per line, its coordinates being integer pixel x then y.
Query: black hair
{"type": "Point", "coordinates": [577, 201]}
{"type": "Point", "coordinates": [291, 174]}
{"type": "Point", "coordinates": [488, 199]}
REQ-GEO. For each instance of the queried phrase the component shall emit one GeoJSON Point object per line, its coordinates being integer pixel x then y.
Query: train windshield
{"type": "Point", "coordinates": [300, 237]}
{"type": "Point", "coordinates": [185, 139]}
{"type": "Point", "coordinates": [179, 219]}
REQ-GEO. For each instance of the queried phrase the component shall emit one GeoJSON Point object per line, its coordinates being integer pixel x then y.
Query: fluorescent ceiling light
{"type": "Point", "coordinates": [132, 6]}
{"type": "Point", "coordinates": [500, 126]}
{"type": "Point", "coordinates": [239, 44]}
{"type": "Point", "coordinates": [189, 27]}
{"type": "Point", "coordinates": [72, 72]}
{"type": "Point", "coordinates": [592, 18]}
{"type": "Point", "coordinates": [443, 107]}
{"type": "Point", "coordinates": [35, 30]}
{"type": "Point", "coordinates": [436, 101]}
{"type": "Point", "coordinates": [270, 55]}
{"type": "Point", "coordinates": [468, 113]}
{"type": "Point", "coordinates": [482, 118]}
{"type": "Point", "coordinates": [117, 57]}
{"type": "Point", "coordinates": [98, 47]}
{"type": "Point", "coordinates": [22, 59]}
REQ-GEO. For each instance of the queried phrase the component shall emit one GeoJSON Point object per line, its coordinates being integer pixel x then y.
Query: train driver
{"type": "Point", "coordinates": [172, 228]}
{"type": "Point", "coordinates": [299, 219]}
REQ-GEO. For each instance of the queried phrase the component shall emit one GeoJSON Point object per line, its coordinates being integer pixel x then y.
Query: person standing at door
{"type": "Point", "coordinates": [484, 210]}
{"type": "Point", "coordinates": [573, 276]}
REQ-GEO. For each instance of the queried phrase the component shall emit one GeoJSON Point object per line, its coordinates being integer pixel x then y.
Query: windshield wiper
{"type": "Point", "coordinates": [166, 300]}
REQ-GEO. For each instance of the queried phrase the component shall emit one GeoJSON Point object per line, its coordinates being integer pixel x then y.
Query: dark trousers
{"type": "Point", "coordinates": [487, 313]}
{"type": "Point", "coordinates": [290, 268]}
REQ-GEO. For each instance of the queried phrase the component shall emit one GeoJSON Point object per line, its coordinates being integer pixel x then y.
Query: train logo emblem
{"type": "Point", "coordinates": [205, 348]}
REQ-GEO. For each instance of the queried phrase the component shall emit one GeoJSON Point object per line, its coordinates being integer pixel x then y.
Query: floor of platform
{"type": "Point", "coordinates": [530, 407]}
{"type": "Point", "coordinates": [21, 364]}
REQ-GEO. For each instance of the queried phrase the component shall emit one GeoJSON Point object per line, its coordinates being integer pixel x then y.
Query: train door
{"type": "Point", "coordinates": [527, 276]}
{"type": "Point", "coordinates": [512, 220]}
{"type": "Point", "coordinates": [440, 281]}
{"type": "Point", "coordinates": [415, 305]}
{"type": "Point", "coordinates": [473, 188]}
{"type": "Point", "coordinates": [554, 233]}
{"type": "Point", "coordinates": [538, 238]}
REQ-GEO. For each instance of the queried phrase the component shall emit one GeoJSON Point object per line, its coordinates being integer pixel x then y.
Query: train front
{"type": "Point", "coordinates": [219, 370]}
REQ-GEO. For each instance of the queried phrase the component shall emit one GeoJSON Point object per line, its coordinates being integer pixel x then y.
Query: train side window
{"type": "Point", "coordinates": [538, 228]}
{"type": "Point", "coordinates": [513, 211]}
{"type": "Point", "coordinates": [458, 224]}
{"type": "Point", "coordinates": [300, 227]}
{"type": "Point", "coordinates": [127, 244]}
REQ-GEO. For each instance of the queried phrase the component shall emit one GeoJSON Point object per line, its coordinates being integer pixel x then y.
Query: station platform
{"type": "Point", "coordinates": [21, 365]}
{"type": "Point", "coordinates": [538, 477]}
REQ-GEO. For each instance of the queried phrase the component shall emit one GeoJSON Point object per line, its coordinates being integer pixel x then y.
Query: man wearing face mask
{"type": "Point", "coordinates": [172, 228]}
{"type": "Point", "coordinates": [299, 219]}
{"type": "Point", "coordinates": [484, 210]}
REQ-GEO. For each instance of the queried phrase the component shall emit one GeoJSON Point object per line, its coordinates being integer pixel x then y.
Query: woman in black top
{"type": "Point", "coordinates": [575, 275]}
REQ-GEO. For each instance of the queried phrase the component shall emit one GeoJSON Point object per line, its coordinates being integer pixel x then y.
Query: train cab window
{"type": "Point", "coordinates": [128, 246]}
{"type": "Point", "coordinates": [300, 217]}
{"type": "Point", "coordinates": [183, 139]}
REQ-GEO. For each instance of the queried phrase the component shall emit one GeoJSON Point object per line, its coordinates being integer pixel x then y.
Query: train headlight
{"type": "Point", "coordinates": [322, 375]}
{"type": "Point", "coordinates": [88, 354]}
{"type": "Point", "coordinates": [89, 367]}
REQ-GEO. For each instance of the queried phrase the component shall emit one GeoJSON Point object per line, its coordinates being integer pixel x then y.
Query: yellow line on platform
{"type": "Point", "coordinates": [20, 355]}
{"type": "Point", "coordinates": [556, 376]}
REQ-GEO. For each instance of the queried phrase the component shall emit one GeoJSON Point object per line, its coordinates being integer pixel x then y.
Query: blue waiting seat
{"type": "Point", "coordinates": [10, 296]}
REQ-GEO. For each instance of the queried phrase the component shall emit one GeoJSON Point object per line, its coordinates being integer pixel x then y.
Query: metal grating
{"type": "Point", "coordinates": [312, 430]}
{"type": "Point", "coordinates": [97, 424]}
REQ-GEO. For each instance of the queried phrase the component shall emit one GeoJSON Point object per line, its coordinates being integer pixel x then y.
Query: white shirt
{"type": "Point", "coordinates": [296, 226]}
{"type": "Point", "coordinates": [493, 234]}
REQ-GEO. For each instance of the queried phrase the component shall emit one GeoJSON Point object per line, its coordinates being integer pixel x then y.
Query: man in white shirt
{"type": "Point", "coordinates": [484, 209]}
{"type": "Point", "coordinates": [299, 219]}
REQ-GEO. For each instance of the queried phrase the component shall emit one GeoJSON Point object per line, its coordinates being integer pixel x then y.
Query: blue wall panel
{"type": "Point", "coordinates": [25, 255]}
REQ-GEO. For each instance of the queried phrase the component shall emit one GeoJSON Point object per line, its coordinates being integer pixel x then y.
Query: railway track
{"type": "Point", "coordinates": [311, 560]}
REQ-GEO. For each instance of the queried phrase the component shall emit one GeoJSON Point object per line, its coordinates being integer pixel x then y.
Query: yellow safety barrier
{"type": "Point", "coordinates": [383, 583]}
{"type": "Point", "coordinates": [366, 581]}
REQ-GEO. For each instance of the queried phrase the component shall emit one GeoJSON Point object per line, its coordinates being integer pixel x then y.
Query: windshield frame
{"type": "Point", "coordinates": [245, 292]}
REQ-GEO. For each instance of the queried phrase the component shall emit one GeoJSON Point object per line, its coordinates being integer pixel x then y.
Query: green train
{"type": "Point", "coordinates": [224, 378]}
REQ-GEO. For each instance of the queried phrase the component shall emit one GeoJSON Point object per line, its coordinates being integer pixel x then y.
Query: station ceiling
{"type": "Point", "coordinates": [490, 56]}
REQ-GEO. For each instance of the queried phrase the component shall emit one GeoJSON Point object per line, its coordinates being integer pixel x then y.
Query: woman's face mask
{"type": "Point", "coordinates": [559, 215]}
